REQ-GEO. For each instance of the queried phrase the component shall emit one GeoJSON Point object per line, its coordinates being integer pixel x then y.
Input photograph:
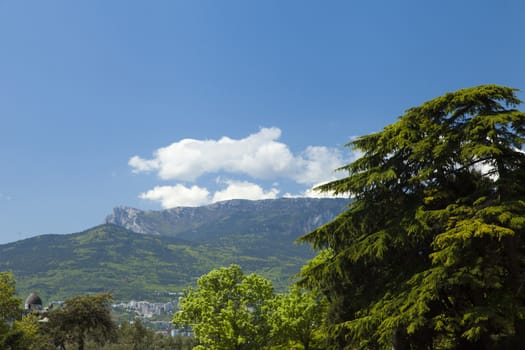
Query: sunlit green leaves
{"type": "Point", "coordinates": [9, 302]}
{"type": "Point", "coordinates": [228, 309]}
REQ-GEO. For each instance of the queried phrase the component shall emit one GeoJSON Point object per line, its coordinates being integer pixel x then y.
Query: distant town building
{"type": "Point", "coordinates": [145, 308]}
{"type": "Point", "coordinates": [185, 331]}
{"type": "Point", "coordinates": [33, 303]}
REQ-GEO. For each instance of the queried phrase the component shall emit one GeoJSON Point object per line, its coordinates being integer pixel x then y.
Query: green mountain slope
{"type": "Point", "coordinates": [133, 265]}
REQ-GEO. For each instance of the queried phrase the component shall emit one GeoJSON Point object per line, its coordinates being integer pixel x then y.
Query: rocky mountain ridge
{"type": "Point", "coordinates": [295, 216]}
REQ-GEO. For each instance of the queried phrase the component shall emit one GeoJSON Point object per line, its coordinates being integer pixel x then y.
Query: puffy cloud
{"type": "Point", "coordinates": [317, 164]}
{"type": "Point", "coordinates": [259, 156]}
{"type": "Point", "coordinates": [244, 190]}
{"type": "Point", "coordinates": [182, 196]}
{"type": "Point", "coordinates": [178, 195]}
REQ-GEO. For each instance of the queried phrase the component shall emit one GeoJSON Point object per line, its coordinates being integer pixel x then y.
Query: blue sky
{"type": "Point", "coordinates": [154, 104]}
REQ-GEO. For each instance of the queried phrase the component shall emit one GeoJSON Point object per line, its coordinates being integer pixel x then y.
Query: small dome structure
{"type": "Point", "coordinates": [33, 302]}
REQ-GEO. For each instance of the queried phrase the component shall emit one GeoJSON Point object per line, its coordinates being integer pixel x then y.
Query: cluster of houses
{"type": "Point", "coordinates": [145, 308]}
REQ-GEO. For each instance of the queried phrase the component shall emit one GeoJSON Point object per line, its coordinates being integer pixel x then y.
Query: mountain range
{"type": "Point", "coordinates": [140, 254]}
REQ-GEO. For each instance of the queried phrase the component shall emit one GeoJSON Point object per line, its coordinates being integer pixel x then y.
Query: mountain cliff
{"type": "Point", "coordinates": [286, 216]}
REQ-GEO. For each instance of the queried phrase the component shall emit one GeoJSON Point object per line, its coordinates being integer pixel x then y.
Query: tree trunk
{"type": "Point", "coordinates": [399, 340]}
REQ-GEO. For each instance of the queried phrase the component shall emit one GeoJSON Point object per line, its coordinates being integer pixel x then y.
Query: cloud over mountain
{"type": "Point", "coordinates": [259, 156]}
{"type": "Point", "coordinates": [178, 195]}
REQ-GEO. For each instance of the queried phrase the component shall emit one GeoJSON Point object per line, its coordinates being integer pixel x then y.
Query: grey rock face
{"type": "Point", "coordinates": [284, 216]}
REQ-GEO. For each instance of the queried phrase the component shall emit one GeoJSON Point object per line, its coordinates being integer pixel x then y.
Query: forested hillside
{"type": "Point", "coordinates": [110, 258]}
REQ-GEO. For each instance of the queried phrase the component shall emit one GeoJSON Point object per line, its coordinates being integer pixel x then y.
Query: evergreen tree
{"type": "Point", "coordinates": [431, 251]}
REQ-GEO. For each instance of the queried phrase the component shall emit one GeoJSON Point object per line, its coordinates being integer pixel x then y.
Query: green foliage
{"type": "Point", "coordinates": [231, 310]}
{"type": "Point", "coordinates": [431, 252]}
{"type": "Point", "coordinates": [17, 333]}
{"type": "Point", "coordinates": [83, 322]}
{"type": "Point", "coordinates": [297, 319]}
{"type": "Point", "coordinates": [109, 258]}
{"type": "Point", "coordinates": [9, 302]}
{"type": "Point", "coordinates": [33, 334]}
{"type": "Point", "coordinates": [9, 310]}
{"type": "Point", "coordinates": [130, 265]}
{"type": "Point", "coordinates": [135, 336]}
{"type": "Point", "coordinates": [228, 310]}
{"type": "Point", "coordinates": [80, 318]}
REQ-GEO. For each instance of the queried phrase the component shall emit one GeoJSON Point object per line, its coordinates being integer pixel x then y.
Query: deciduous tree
{"type": "Point", "coordinates": [9, 311]}
{"type": "Point", "coordinates": [33, 335]}
{"type": "Point", "coordinates": [81, 317]}
{"type": "Point", "coordinates": [297, 318]}
{"type": "Point", "coordinates": [9, 302]}
{"type": "Point", "coordinates": [228, 310]}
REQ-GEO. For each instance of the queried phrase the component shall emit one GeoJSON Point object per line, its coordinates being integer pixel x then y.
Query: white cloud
{"type": "Point", "coordinates": [317, 164]}
{"type": "Point", "coordinates": [178, 195]}
{"type": "Point", "coordinates": [182, 196]}
{"type": "Point", "coordinates": [260, 156]}
{"type": "Point", "coordinates": [244, 190]}
{"type": "Point", "coordinates": [140, 165]}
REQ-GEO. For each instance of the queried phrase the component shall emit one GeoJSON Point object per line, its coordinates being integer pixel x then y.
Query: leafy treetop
{"type": "Point", "coordinates": [228, 310]}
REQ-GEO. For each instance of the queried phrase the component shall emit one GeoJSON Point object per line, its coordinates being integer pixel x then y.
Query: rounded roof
{"type": "Point", "coordinates": [33, 299]}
